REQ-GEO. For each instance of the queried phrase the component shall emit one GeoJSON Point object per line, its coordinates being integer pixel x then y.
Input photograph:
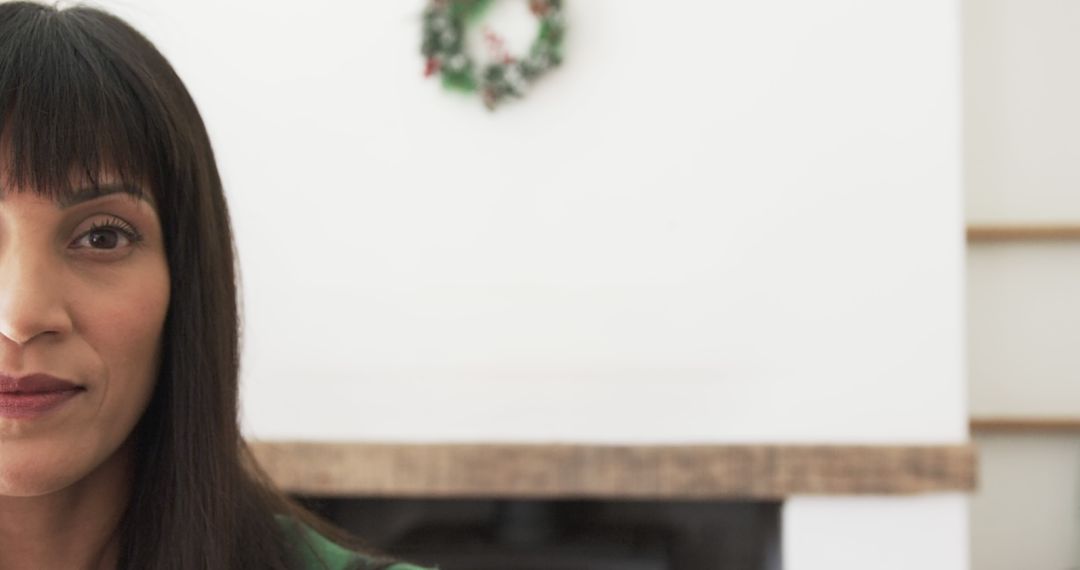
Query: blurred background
{"type": "Point", "coordinates": [1022, 184]}
{"type": "Point", "coordinates": [732, 225]}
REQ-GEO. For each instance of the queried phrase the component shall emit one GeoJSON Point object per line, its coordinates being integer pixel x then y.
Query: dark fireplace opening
{"type": "Point", "coordinates": [501, 534]}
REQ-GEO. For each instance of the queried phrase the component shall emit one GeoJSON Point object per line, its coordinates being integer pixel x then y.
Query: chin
{"type": "Point", "coordinates": [26, 470]}
{"type": "Point", "coordinates": [28, 481]}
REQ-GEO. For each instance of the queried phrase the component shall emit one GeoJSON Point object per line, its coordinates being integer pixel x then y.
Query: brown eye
{"type": "Point", "coordinates": [103, 238]}
{"type": "Point", "coordinates": [111, 235]}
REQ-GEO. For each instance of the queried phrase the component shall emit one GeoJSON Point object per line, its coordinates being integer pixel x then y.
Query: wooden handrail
{"type": "Point", "coordinates": [1022, 232]}
{"type": "Point", "coordinates": [1025, 425]}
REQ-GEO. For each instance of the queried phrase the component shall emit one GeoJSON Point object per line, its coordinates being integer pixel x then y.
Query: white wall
{"type": "Point", "coordinates": [1026, 513]}
{"type": "Point", "coordinates": [741, 220]}
{"type": "Point", "coordinates": [720, 221]}
{"type": "Point", "coordinates": [1022, 166]}
{"type": "Point", "coordinates": [1020, 110]}
{"type": "Point", "coordinates": [882, 533]}
{"type": "Point", "coordinates": [1024, 328]}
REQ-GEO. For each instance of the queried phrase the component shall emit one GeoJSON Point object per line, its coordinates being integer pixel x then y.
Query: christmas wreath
{"type": "Point", "coordinates": [444, 47]}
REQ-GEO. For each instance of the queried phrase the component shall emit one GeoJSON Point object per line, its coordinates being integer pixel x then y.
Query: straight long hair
{"type": "Point", "coordinates": [83, 92]}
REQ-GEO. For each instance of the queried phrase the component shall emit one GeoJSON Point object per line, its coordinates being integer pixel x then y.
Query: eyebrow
{"type": "Point", "coordinates": [87, 193]}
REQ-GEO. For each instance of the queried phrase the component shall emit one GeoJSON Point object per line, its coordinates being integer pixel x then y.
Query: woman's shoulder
{"type": "Point", "coordinates": [316, 552]}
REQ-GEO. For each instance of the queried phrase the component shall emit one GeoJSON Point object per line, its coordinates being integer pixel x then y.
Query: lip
{"type": "Point", "coordinates": [34, 395]}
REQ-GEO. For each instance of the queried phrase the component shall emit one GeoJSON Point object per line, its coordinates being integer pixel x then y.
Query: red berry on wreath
{"type": "Point", "coordinates": [432, 67]}
{"type": "Point", "coordinates": [490, 99]}
{"type": "Point", "coordinates": [538, 7]}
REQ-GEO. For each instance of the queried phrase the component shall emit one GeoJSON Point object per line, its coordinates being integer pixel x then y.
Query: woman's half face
{"type": "Point", "coordinates": [84, 289]}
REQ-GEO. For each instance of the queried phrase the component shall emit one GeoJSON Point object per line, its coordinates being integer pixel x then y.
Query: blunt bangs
{"type": "Point", "coordinates": [73, 107]}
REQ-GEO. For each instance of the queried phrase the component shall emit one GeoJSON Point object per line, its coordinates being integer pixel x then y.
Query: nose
{"type": "Point", "coordinates": [32, 300]}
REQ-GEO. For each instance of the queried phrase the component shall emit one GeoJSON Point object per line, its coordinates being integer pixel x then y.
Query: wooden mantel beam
{"type": "Point", "coordinates": [503, 470]}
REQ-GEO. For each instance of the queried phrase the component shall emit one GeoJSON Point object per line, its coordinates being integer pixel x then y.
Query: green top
{"type": "Point", "coordinates": [322, 554]}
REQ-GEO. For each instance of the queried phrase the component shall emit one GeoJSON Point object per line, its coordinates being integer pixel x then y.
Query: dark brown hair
{"type": "Point", "coordinates": [81, 91]}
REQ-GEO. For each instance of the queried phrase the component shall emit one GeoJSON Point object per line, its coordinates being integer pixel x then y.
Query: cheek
{"type": "Point", "coordinates": [125, 327]}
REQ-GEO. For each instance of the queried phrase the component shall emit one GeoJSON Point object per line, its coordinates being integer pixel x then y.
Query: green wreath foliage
{"type": "Point", "coordinates": [444, 47]}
